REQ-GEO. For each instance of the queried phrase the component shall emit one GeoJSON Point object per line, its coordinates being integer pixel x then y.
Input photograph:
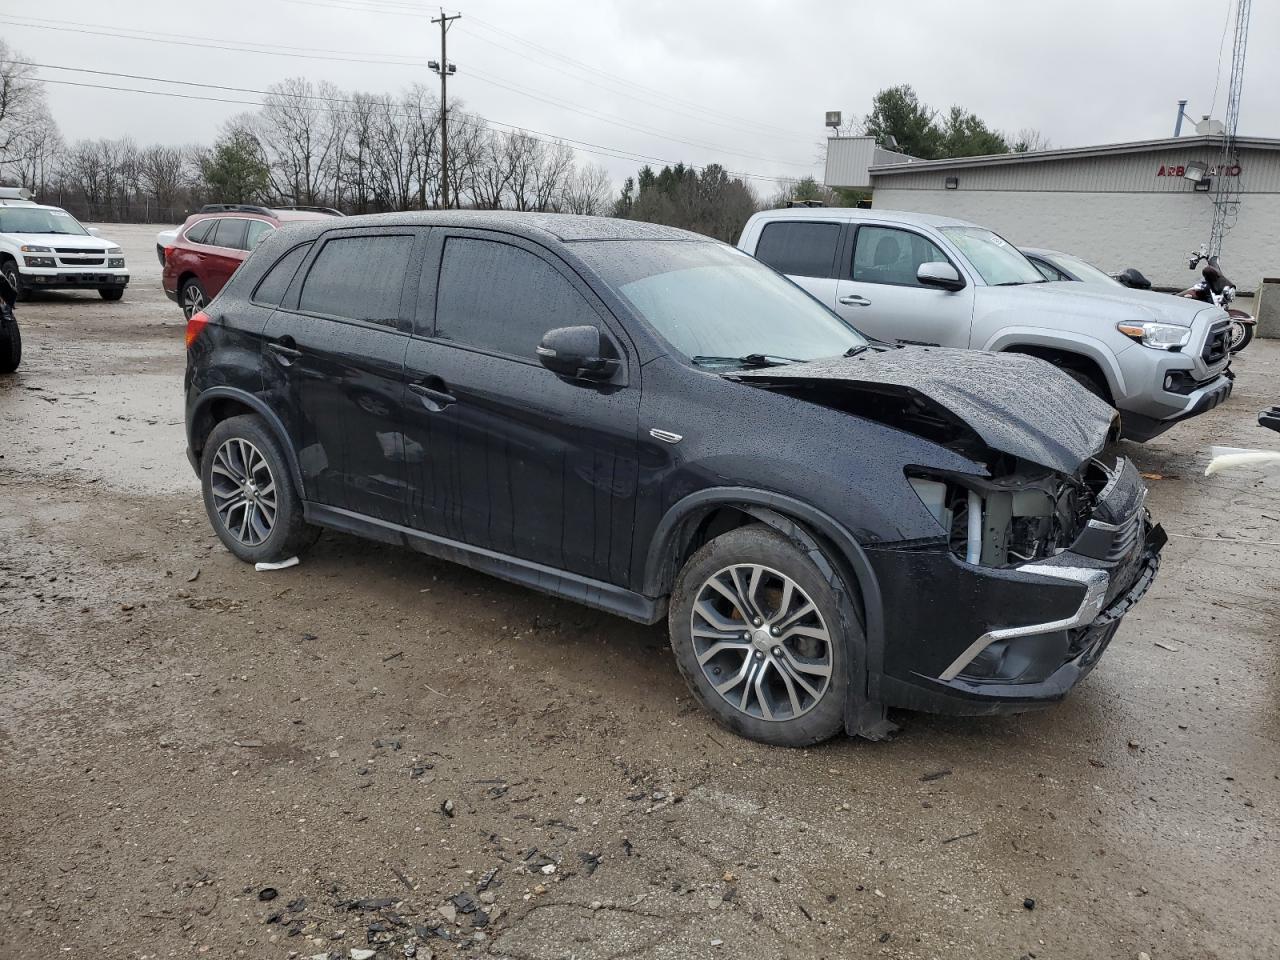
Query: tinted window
{"type": "Point", "coordinates": [200, 232]}
{"type": "Point", "coordinates": [229, 233]}
{"type": "Point", "coordinates": [360, 278]}
{"type": "Point", "coordinates": [273, 286]}
{"type": "Point", "coordinates": [885, 255]}
{"type": "Point", "coordinates": [502, 298]}
{"type": "Point", "coordinates": [258, 230]}
{"type": "Point", "coordinates": [799, 249]}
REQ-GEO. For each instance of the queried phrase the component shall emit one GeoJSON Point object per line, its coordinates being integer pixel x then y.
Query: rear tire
{"type": "Point", "coordinates": [777, 673]}
{"type": "Point", "coordinates": [192, 297]}
{"type": "Point", "coordinates": [111, 293]}
{"type": "Point", "coordinates": [249, 494]}
{"type": "Point", "coordinates": [1241, 335]}
{"type": "Point", "coordinates": [10, 347]}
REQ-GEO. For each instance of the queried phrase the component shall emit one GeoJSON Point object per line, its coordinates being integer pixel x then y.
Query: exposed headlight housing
{"type": "Point", "coordinates": [1158, 336]}
{"type": "Point", "coordinates": [30, 248]}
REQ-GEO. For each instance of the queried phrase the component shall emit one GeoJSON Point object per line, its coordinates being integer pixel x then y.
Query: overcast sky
{"type": "Point", "coordinates": [744, 83]}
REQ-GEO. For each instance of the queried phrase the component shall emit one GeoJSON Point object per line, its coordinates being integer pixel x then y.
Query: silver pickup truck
{"type": "Point", "coordinates": [922, 279]}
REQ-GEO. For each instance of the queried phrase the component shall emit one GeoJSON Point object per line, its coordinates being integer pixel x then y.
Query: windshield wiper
{"type": "Point", "coordinates": [749, 360]}
{"type": "Point", "coordinates": [1018, 283]}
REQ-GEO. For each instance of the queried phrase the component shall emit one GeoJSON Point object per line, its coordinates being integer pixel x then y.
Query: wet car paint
{"type": "Point", "coordinates": [562, 485]}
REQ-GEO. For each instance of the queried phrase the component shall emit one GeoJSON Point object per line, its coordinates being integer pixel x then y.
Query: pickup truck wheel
{"type": "Point", "coordinates": [111, 293]}
{"type": "Point", "coordinates": [756, 630]}
{"type": "Point", "coordinates": [1088, 381]}
{"type": "Point", "coordinates": [10, 270]}
{"type": "Point", "coordinates": [192, 297]}
{"type": "Point", "coordinates": [10, 347]}
{"type": "Point", "coordinates": [249, 495]}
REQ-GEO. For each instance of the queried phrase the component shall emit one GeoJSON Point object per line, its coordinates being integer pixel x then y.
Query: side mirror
{"type": "Point", "coordinates": [94, 231]}
{"type": "Point", "coordinates": [940, 275]}
{"type": "Point", "coordinates": [577, 352]}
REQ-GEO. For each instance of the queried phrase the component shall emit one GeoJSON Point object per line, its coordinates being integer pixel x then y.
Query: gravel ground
{"type": "Point", "coordinates": [374, 732]}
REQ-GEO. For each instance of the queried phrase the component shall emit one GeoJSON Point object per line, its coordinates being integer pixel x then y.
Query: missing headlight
{"type": "Point", "coordinates": [1002, 522]}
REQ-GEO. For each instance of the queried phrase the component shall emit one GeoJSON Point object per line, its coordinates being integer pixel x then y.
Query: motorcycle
{"type": "Point", "coordinates": [10, 337]}
{"type": "Point", "coordinates": [1214, 287]}
{"type": "Point", "coordinates": [1133, 279]}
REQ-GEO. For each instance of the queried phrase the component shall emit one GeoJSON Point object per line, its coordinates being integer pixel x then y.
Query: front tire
{"type": "Point", "coordinates": [1241, 335]}
{"type": "Point", "coordinates": [10, 270]}
{"type": "Point", "coordinates": [249, 494]}
{"type": "Point", "coordinates": [111, 293]}
{"type": "Point", "coordinates": [760, 636]}
{"type": "Point", "coordinates": [10, 347]}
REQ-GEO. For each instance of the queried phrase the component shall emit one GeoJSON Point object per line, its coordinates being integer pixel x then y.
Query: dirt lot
{"type": "Point", "coordinates": [179, 733]}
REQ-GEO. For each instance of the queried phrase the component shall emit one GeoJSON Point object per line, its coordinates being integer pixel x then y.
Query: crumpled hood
{"type": "Point", "coordinates": [59, 240]}
{"type": "Point", "coordinates": [1110, 304]}
{"type": "Point", "coordinates": [1012, 403]}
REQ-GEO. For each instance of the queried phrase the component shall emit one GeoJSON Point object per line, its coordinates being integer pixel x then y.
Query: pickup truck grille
{"type": "Point", "coordinates": [1218, 343]}
{"type": "Point", "coordinates": [80, 261]}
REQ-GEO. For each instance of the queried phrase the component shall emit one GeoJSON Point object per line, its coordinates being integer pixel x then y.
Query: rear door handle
{"type": "Point", "coordinates": [433, 399]}
{"type": "Point", "coordinates": [853, 300]}
{"type": "Point", "coordinates": [285, 350]}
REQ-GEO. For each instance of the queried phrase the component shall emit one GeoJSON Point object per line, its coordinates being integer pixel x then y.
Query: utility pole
{"type": "Point", "coordinates": [444, 68]}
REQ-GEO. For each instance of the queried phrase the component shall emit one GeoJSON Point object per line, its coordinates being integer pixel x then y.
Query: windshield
{"type": "Point", "coordinates": [1085, 272]}
{"type": "Point", "coordinates": [37, 220]}
{"type": "Point", "coordinates": [714, 303]}
{"type": "Point", "coordinates": [997, 261]}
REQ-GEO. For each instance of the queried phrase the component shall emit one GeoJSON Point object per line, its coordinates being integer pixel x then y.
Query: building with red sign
{"type": "Point", "coordinates": [1145, 204]}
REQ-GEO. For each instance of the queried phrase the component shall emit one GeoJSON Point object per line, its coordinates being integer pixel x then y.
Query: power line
{"type": "Point", "coordinates": [559, 103]}
{"type": "Point", "coordinates": [585, 146]}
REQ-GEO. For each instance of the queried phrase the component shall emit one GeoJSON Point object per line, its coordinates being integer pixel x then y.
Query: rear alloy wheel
{"type": "Point", "coordinates": [249, 494]}
{"type": "Point", "coordinates": [758, 634]}
{"type": "Point", "coordinates": [1241, 334]}
{"type": "Point", "coordinates": [193, 298]}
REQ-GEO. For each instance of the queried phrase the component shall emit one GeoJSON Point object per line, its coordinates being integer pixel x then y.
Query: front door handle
{"type": "Point", "coordinates": [853, 300]}
{"type": "Point", "coordinates": [285, 350]}
{"type": "Point", "coordinates": [433, 398]}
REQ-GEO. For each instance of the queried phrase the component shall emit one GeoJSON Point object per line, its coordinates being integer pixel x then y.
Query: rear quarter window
{"type": "Point", "coordinates": [199, 232]}
{"type": "Point", "coordinates": [799, 249]}
{"type": "Point", "coordinates": [230, 233]}
{"type": "Point", "coordinates": [272, 287]}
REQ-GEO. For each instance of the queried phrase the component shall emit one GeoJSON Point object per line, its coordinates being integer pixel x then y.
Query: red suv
{"type": "Point", "coordinates": [215, 241]}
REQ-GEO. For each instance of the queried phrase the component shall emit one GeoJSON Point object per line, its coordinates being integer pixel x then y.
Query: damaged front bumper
{"type": "Point", "coordinates": [965, 638]}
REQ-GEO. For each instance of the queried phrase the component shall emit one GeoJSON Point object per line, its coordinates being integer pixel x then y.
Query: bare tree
{"type": "Point", "coordinates": [22, 104]}
{"type": "Point", "coordinates": [587, 191]}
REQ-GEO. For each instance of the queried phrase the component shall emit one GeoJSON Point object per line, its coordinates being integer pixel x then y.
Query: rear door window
{"type": "Point", "coordinates": [258, 231]}
{"type": "Point", "coordinates": [887, 255]}
{"type": "Point", "coordinates": [275, 284]}
{"type": "Point", "coordinates": [358, 278]}
{"type": "Point", "coordinates": [799, 248]}
{"type": "Point", "coordinates": [503, 298]}
{"type": "Point", "coordinates": [230, 233]}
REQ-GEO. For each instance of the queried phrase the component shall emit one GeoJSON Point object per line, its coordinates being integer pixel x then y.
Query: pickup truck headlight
{"type": "Point", "coordinates": [28, 248]}
{"type": "Point", "coordinates": [115, 263]}
{"type": "Point", "coordinates": [1158, 336]}
{"type": "Point", "coordinates": [40, 261]}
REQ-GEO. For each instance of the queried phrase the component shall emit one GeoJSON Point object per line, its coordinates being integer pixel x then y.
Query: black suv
{"type": "Point", "coordinates": [655, 424]}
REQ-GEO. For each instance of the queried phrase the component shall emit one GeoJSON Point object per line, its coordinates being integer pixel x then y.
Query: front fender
{"type": "Point", "coordinates": [1101, 353]}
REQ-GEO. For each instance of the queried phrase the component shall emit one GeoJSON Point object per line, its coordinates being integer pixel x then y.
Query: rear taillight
{"type": "Point", "coordinates": [197, 323]}
{"type": "Point", "coordinates": [167, 251]}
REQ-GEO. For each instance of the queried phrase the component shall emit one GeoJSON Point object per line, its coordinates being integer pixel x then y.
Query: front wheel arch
{"type": "Point", "coordinates": [1070, 363]}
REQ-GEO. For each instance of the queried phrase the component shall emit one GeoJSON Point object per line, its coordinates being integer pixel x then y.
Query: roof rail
{"type": "Point", "coordinates": [234, 208]}
{"type": "Point", "coordinates": [329, 210]}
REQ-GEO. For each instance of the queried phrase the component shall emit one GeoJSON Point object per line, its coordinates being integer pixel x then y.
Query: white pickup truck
{"type": "Point", "coordinates": [46, 248]}
{"type": "Point", "coordinates": [923, 279]}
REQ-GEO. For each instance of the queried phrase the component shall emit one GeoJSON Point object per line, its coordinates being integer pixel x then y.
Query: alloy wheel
{"type": "Point", "coordinates": [1236, 332]}
{"type": "Point", "coordinates": [244, 491]}
{"type": "Point", "coordinates": [761, 642]}
{"type": "Point", "coordinates": [192, 300]}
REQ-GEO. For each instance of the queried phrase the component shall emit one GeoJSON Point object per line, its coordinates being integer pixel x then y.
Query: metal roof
{"type": "Point", "coordinates": [1069, 153]}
